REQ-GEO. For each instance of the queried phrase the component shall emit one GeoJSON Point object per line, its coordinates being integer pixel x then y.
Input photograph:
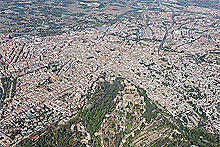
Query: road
{"type": "Point", "coordinates": [165, 26]}
{"type": "Point", "coordinates": [119, 16]}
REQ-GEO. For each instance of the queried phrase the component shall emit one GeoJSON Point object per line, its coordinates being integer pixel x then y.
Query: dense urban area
{"type": "Point", "coordinates": [115, 73]}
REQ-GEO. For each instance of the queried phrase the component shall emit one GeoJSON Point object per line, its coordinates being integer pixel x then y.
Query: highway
{"type": "Point", "coordinates": [119, 16]}
{"type": "Point", "coordinates": [166, 29]}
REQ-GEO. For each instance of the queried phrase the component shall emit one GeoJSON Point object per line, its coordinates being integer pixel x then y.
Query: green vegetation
{"type": "Point", "coordinates": [151, 109]}
{"type": "Point", "coordinates": [189, 137]}
{"type": "Point", "coordinates": [100, 104]}
{"type": "Point", "coordinates": [61, 136]}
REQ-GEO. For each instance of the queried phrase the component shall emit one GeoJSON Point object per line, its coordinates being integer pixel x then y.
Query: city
{"type": "Point", "coordinates": [170, 51]}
